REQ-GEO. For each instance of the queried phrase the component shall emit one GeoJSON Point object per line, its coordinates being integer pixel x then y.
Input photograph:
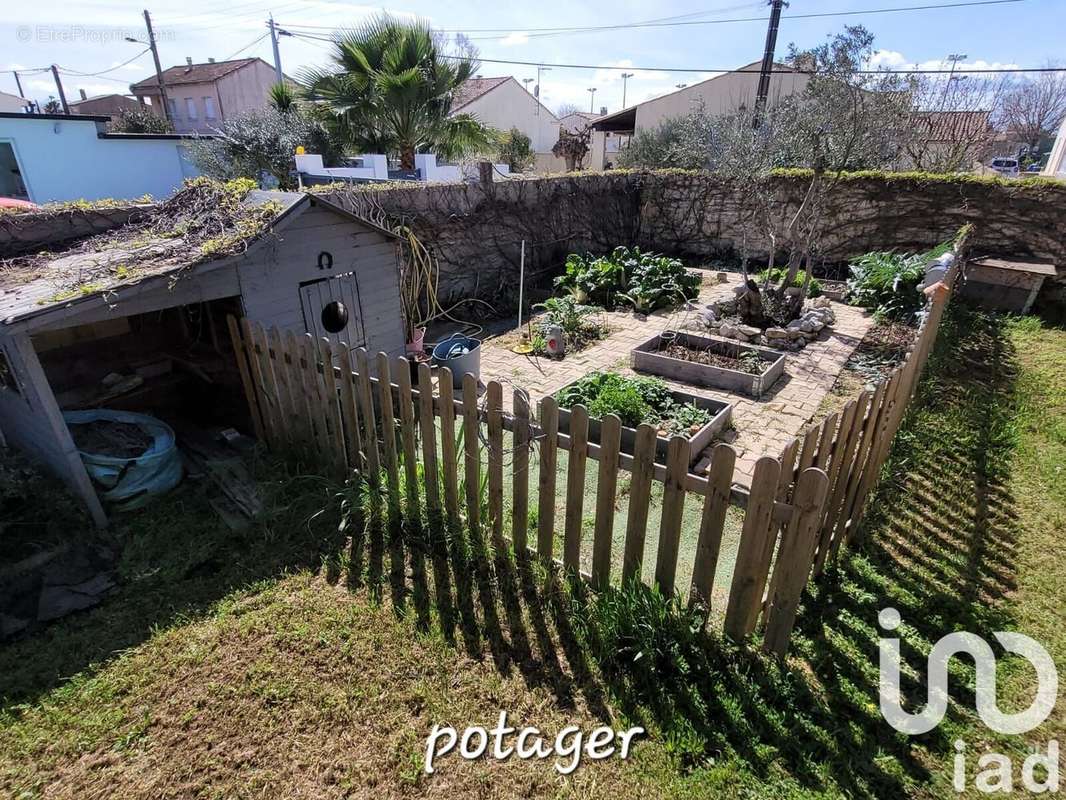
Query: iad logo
{"type": "Point", "coordinates": [997, 773]}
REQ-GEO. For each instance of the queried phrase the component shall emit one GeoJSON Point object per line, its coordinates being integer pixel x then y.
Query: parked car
{"type": "Point", "coordinates": [1004, 166]}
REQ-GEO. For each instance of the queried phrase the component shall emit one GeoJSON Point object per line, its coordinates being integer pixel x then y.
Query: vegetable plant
{"type": "Point", "coordinates": [628, 276]}
{"type": "Point", "coordinates": [887, 282]}
{"type": "Point", "coordinates": [633, 401]}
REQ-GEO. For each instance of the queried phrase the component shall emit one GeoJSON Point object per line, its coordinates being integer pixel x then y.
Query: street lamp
{"type": "Point", "coordinates": [527, 81]}
{"type": "Point", "coordinates": [592, 97]}
{"type": "Point", "coordinates": [625, 78]}
{"type": "Point", "coordinates": [536, 89]}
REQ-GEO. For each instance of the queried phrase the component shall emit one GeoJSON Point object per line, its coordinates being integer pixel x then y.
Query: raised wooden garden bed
{"type": "Point", "coordinates": [649, 357]}
{"type": "Point", "coordinates": [722, 417]}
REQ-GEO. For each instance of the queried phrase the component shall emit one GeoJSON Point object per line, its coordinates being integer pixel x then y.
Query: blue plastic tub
{"type": "Point", "coordinates": [461, 354]}
{"type": "Point", "coordinates": [127, 483]}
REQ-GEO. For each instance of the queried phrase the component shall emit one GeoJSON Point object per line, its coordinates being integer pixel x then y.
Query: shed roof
{"type": "Point", "coordinates": [190, 231]}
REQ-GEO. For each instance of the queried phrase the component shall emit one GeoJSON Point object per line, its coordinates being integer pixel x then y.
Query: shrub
{"type": "Point", "coordinates": [887, 283]}
{"type": "Point", "coordinates": [140, 120]}
{"type": "Point", "coordinates": [577, 321]}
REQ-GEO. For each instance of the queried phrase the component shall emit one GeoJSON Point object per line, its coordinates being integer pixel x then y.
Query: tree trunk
{"type": "Point", "coordinates": [407, 157]}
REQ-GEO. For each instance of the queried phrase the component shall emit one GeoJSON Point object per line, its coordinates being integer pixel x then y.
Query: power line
{"type": "Point", "coordinates": [252, 43]}
{"type": "Point", "coordinates": [102, 72]}
{"type": "Point", "coordinates": [752, 71]}
{"type": "Point", "coordinates": [533, 33]}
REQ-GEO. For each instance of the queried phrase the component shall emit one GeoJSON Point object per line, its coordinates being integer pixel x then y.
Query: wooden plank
{"type": "Point", "coordinates": [575, 487]}
{"type": "Point", "coordinates": [259, 381]}
{"type": "Point", "coordinates": [388, 429]}
{"type": "Point", "coordinates": [520, 472]}
{"type": "Point", "coordinates": [299, 382]}
{"type": "Point", "coordinates": [844, 464]}
{"type": "Point", "coordinates": [641, 476]}
{"type": "Point", "coordinates": [810, 444]}
{"type": "Point", "coordinates": [472, 450]}
{"type": "Point", "coordinates": [712, 524]}
{"type": "Point", "coordinates": [350, 412]}
{"type": "Point", "coordinates": [842, 449]}
{"type": "Point", "coordinates": [864, 463]}
{"type": "Point", "coordinates": [365, 394]}
{"type": "Point", "coordinates": [275, 399]}
{"type": "Point", "coordinates": [332, 401]}
{"type": "Point", "coordinates": [240, 351]}
{"type": "Point", "coordinates": [407, 439]}
{"type": "Point", "coordinates": [606, 486]}
{"type": "Point", "coordinates": [757, 539]}
{"type": "Point", "coordinates": [315, 397]}
{"type": "Point", "coordinates": [878, 456]}
{"type": "Point", "coordinates": [449, 460]}
{"type": "Point", "coordinates": [549, 454]}
{"type": "Point", "coordinates": [677, 460]}
{"type": "Point", "coordinates": [494, 412]}
{"type": "Point", "coordinates": [825, 441]}
{"type": "Point", "coordinates": [428, 427]}
{"type": "Point", "coordinates": [787, 474]}
{"type": "Point", "coordinates": [289, 410]}
{"type": "Point", "coordinates": [795, 560]}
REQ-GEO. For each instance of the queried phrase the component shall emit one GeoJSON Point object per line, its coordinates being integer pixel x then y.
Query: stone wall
{"type": "Point", "coordinates": [475, 231]}
{"type": "Point", "coordinates": [696, 214]}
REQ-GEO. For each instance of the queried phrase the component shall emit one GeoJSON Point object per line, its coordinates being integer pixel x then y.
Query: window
{"type": "Point", "coordinates": [209, 108]}
{"type": "Point", "coordinates": [190, 107]}
{"type": "Point", "coordinates": [172, 107]}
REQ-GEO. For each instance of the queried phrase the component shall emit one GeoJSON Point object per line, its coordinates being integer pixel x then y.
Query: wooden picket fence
{"type": "Point", "coordinates": [378, 416]}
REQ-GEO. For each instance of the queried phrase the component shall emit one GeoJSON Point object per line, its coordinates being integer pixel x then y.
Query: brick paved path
{"type": "Point", "coordinates": [763, 426]}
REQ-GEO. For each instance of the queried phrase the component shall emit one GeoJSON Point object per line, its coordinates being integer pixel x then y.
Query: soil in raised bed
{"type": "Point", "coordinates": [107, 438]}
{"type": "Point", "coordinates": [709, 357]}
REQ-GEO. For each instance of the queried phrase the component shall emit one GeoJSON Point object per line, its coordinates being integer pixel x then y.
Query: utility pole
{"type": "Point", "coordinates": [59, 86]}
{"type": "Point", "coordinates": [592, 97]}
{"type": "Point", "coordinates": [18, 83]}
{"type": "Point", "coordinates": [277, 53]}
{"type": "Point", "coordinates": [768, 58]}
{"type": "Point", "coordinates": [625, 79]}
{"type": "Point", "coordinates": [158, 66]}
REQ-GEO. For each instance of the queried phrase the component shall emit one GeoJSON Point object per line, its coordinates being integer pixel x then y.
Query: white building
{"type": "Point", "coordinates": [200, 96]}
{"type": "Point", "coordinates": [1056, 163]}
{"type": "Point", "coordinates": [12, 103]}
{"type": "Point", "coordinates": [55, 157]}
{"type": "Point", "coordinates": [503, 103]}
{"type": "Point", "coordinates": [722, 94]}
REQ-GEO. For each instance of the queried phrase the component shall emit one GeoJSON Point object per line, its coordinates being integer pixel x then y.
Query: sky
{"type": "Point", "coordinates": [88, 36]}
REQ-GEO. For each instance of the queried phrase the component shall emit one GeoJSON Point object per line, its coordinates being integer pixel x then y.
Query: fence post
{"type": "Point", "coordinates": [240, 350]}
{"type": "Point", "coordinates": [575, 488]}
{"type": "Point", "coordinates": [677, 458]}
{"type": "Point", "coordinates": [607, 483]}
{"type": "Point", "coordinates": [712, 523]}
{"type": "Point", "coordinates": [520, 473]}
{"type": "Point", "coordinates": [640, 480]}
{"type": "Point", "coordinates": [795, 559]}
{"type": "Point", "coordinates": [757, 539]}
{"type": "Point", "coordinates": [549, 454]}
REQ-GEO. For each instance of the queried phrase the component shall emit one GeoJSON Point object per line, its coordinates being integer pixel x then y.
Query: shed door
{"type": "Point", "coordinates": [316, 296]}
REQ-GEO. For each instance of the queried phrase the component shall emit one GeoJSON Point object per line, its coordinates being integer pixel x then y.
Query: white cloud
{"type": "Point", "coordinates": [516, 38]}
{"type": "Point", "coordinates": [893, 59]}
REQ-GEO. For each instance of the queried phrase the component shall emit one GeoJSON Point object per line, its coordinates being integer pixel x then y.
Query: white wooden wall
{"type": "Point", "coordinates": [270, 279]}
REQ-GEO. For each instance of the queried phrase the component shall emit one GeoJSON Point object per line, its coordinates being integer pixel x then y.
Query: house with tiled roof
{"type": "Point", "coordinates": [200, 96]}
{"type": "Point", "coordinates": [503, 103]}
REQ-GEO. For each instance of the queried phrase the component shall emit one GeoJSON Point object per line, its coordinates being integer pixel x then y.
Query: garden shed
{"type": "Point", "coordinates": [134, 319]}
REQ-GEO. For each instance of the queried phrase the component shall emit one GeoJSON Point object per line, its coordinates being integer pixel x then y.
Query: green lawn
{"type": "Point", "coordinates": [299, 660]}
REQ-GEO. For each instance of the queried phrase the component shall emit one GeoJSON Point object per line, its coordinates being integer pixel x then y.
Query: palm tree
{"type": "Point", "coordinates": [391, 90]}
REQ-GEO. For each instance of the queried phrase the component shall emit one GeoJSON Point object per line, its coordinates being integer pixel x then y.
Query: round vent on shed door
{"type": "Point", "coordinates": [335, 316]}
